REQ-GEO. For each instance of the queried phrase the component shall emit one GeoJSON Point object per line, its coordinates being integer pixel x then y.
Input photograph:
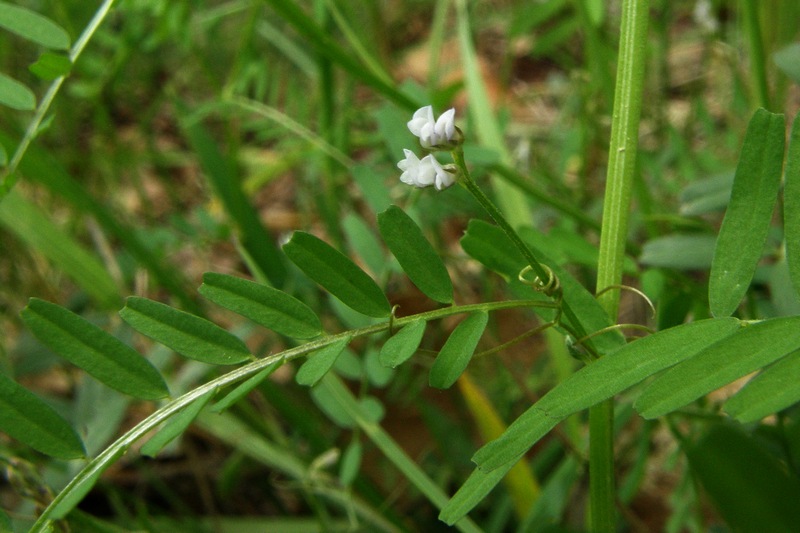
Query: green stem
{"type": "Point", "coordinates": [9, 176]}
{"type": "Point", "coordinates": [543, 273]}
{"type": "Point", "coordinates": [616, 208]}
{"type": "Point", "coordinates": [71, 495]}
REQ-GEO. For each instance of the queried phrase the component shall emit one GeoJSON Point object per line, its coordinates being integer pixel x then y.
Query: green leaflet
{"type": "Point", "coordinates": [751, 487]}
{"type": "Point", "coordinates": [242, 390]}
{"type": "Point", "coordinates": [264, 305]}
{"type": "Point", "coordinates": [472, 492]}
{"type": "Point", "coordinates": [176, 425]}
{"type": "Point", "coordinates": [398, 348]}
{"type": "Point", "coordinates": [337, 274]}
{"type": "Point", "coordinates": [187, 334]}
{"type": "Point", "coordinates": [746, 351]}
{"type": "Point", "coordinates": [791, 206]}
{"type": "Point", "coordinates": [319, 362]}
{"type": "Point", "coordinates": [33, 26]}
{"type": "Point", "coordinates": [100, 354]}
{"type": "Point", "coordinates": [16, 95]}
{"type": "Point", "coordinates": [744, 228]}
{"type": "Point", "coordinates": [609, 375]}
{"type": "Point", "coordinates": [28, 419]}
{"type": "Point", "coordinates": [51, 66]}
{"type": "Point", "coordinates": [774, 389]}
{"type": "Point", "coordinates": [489, 245]}
{"type": "Point", "coordinates": [457, 351]}
{"type": "Point", "coordinates": [415, 254]}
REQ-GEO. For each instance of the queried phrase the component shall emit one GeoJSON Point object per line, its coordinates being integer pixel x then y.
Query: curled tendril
{"type": "Point", "coordinates": [550, 287]}
{"type": "Point", "coordinates": [574, 345]}
{"type": "Point", "coordinates": [633, 290]}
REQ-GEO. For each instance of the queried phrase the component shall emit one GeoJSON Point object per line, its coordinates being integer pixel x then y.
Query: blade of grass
{"type": "Point", "coordinates": [35, 229]}
{"type": "Point", "coordinates": [391, 449]}
{"type": "Point", "coordinates": [512, 204]}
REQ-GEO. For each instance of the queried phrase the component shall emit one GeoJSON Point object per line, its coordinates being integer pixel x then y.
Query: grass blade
{"type": "Point", "coordinates": [33, 227]}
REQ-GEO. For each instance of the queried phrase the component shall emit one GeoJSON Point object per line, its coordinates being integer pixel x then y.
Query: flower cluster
{"type": "Point", "coordinates": [434, 134]}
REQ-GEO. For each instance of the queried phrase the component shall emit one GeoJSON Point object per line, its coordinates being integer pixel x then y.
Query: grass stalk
{"type": "Point", "coordinates": [616, 209]}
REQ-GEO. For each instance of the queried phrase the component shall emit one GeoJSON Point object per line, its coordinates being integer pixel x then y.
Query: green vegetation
{"type": "Point", "coordinates": [574, 304]}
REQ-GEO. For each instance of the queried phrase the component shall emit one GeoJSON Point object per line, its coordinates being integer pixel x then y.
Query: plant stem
{"type": "Point", "coordinates": [757, 52]}
{"type": "Point", "coordinates": [616, 207]}
{"type": "Point", "coordinates": [9, 176]}
{"type": "Point", "coordinates": [543, 273]}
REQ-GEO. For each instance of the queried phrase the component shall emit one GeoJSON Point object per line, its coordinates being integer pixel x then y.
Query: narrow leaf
{"type": "Point", "coordinates": [609, 375]}
{"type": "Point", "coordinates": [746, 351]}
{"type": "Point", "coordinates": [750, 487]}
{"type": "Point", "coordinates": [320, 362]}
{"type": "Point", "coordinates": [33, 26]}
{"type": "Point", "coordinates": [187, 334]}
{"type": "Point", "coordinates": [744, 228]}
{"type": "Point", "coordinates": [264, 305]}
{"type": "Point", "coordinates": [36, 229]}
{"type": "Point", "coordinates": [223, 175]}
{"type": "Point", "coordinates": [337, 274]}
{"type": "Point", "coordinates": [16, 95]}
{"type": "Point", "coordinates": [243, 389]}
{"type": "Point", "coordinates": [457, 351]}
{"type": "Point", "coordinates": [176, 425]}
{"type": "Point", "coordinates": [415, 254]}
{"type": "Point", "coordinates": [791, 205]}
{"type": "Point", "coordinates": [474, 490]}
{"type": "Point", "coordinates": [774, 389]}
{"type": "Point", "coordinates": [100, 354]}
{"type": "Point", "coordinates": [25, 417]}
{"type": "Point", "coordinates": [397, 349]}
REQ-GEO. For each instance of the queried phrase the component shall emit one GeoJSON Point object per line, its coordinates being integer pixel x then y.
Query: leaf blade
{"type": "Point", "coordinates": [16, 95]}
{"type": "Point", "coordinates": [264, 305]}
{"type": "Point", "coordinates": [398, 348]}
{"type": "Point", "coordinates": [774, 389]}
{"type": "Point", "coordinates": [187, 334]}
{"type": "Point", "coordinates": [26, 418]}
{"type": "Point", "coordinates": [456, 353]}
{"type": "Point", "coordinates": [747, 350]}
{"type": "Point", "coordinates": [744, 228]}
{"type": "Point", "coordinates": [33, 26]}
{"type": "Point", "coordinates": [337, 274]}
{"type": "Point", "coordinates": [320, 361]}
{"type": "Point", "coordinates": [176, 425]}
{"type": "Point", "coordinates": [87, 346]}
{"type": "Point", "coordinates": [609, 375]}
{"type": "Point", "coordinates": [791, 205]}
{"type": "Point", "coordinates": [415, 254]}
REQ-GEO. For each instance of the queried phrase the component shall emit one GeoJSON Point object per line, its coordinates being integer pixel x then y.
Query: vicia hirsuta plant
{"type": "Point", "coordinates": [664, 372]}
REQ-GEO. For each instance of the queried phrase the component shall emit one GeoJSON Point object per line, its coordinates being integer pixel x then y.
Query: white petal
{"type": "Point", "coordinates": [445, 126]}
{"type": "Point", "coordinates": [422, 117]}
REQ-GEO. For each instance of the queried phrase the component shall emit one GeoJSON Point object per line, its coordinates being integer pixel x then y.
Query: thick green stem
{"type": "Point", "coordinates": [616, 208]}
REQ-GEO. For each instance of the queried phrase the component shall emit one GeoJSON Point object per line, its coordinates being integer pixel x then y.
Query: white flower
{"type": "Point", "coordinates": [433, 133]}
{"type": "Point", "coordinates": [424, 172]}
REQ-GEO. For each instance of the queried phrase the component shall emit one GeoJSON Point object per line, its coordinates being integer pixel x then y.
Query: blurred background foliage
{"type": "Point", "coordinates": [194, 136]}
